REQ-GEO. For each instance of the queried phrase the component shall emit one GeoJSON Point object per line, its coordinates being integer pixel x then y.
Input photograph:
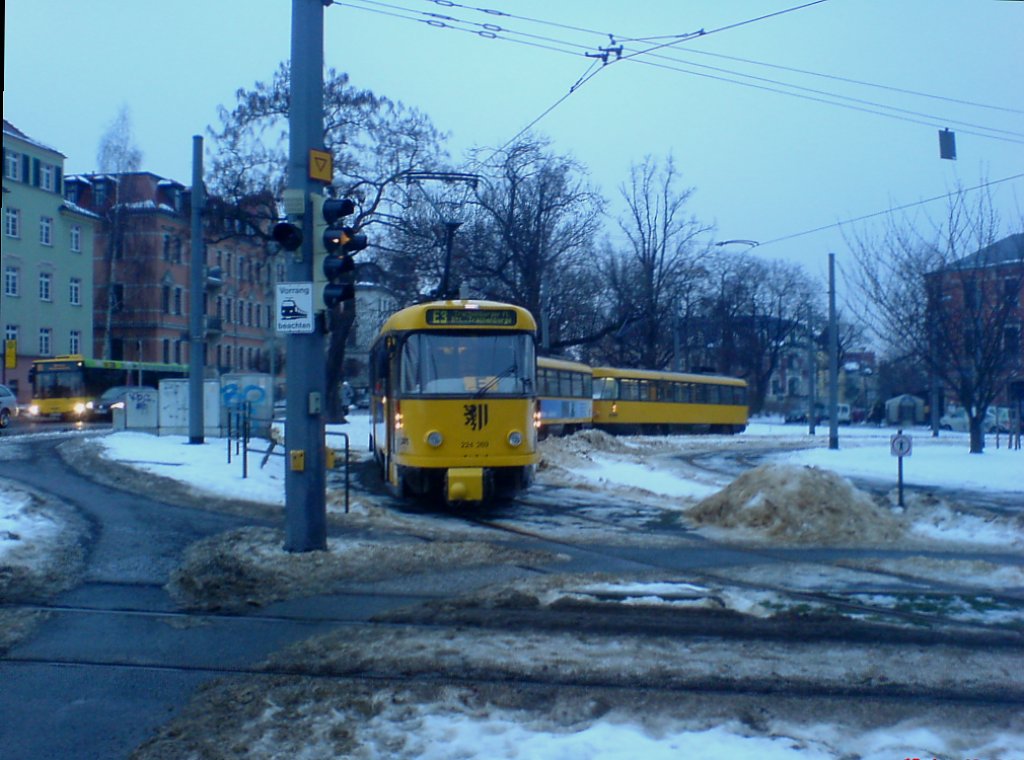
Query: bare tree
{"type": "Point", "coordinates": [661, 263]}
{"type": "Point", "coordinates": [948, 294]}
{"type": "Point", "coordinates": [537, 217]}
{"type": "Point", "coordinates": [758, 311]}
{"type": "Point", "coordinates": [374, 142]}
{"type": "Point", "coordinates": [117, 155]}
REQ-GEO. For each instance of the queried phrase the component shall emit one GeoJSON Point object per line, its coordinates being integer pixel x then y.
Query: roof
{"type": "Point", "coordinates": [1008, 250]}
{"type": "Point", "coordinates": [13, 131]}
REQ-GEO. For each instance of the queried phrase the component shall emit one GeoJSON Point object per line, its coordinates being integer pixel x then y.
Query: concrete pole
{"type": "Point", "coordinates": [197, 274]}
{"type": "Point", "coordinates": [306, 460]}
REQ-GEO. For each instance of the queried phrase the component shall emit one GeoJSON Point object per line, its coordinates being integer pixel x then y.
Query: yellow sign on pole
{"type": "Point", "coordinates": [10, 354]}
{"type": "Point", "coordinates": [321, 166]}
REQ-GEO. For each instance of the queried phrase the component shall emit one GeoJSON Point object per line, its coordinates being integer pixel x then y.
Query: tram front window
{"type": "Point", "coordinates": [470, 363]}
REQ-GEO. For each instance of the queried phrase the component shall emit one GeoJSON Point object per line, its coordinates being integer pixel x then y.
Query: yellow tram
{"type": "Point", "coordinates": [646, 401]}
{"type": "Point", "coordinates": [566, 396]}
{"type": "Point", "coordinates": [454, 401]}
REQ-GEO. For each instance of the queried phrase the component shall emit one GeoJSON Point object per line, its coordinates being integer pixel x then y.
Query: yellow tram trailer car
{"type": "Point", "coordinates": [647, 401]}
{"type": "Point", "coordinates": [453, 399]}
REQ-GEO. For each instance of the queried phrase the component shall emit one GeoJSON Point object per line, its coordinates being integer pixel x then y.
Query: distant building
{"type": "Point", "coordinates": [977, 307]}
{"type": "Point", "coordinates": [142, 276]}
{"type": "Point", "coordinates": [375, 302]}
{"type": "Point", "coordinates": [46, 305]}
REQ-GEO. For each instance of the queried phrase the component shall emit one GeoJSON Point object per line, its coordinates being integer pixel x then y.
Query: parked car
{"type": "Point", "coordinates": [114, 398]}
{"type": "Point", "coordinates": [996, 419]}
{"type": "Point", "coordinates": [8, 406]}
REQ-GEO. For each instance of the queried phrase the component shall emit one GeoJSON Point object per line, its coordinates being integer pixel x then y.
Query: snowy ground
{"type": "Point", "coordinates": [661, 473]}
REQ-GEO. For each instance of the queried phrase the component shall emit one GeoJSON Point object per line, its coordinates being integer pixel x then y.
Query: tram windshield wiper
{"type": "Point", "coordinates": [495, 380]}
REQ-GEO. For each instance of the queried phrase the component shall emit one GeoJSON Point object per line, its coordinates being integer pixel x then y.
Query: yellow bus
{"type": "Point", "coordinates": [565, 389]}
{"type": "Point", "coordinates": [69, 386]}
{"type": "Point", "coordinates": [646, 401]}
{"type": "Point", "coordinates": [454, 400]}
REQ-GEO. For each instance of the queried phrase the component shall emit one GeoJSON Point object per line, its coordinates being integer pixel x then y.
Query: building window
{"type": "Point", "coordinates": [177, 352]}
{"type": "Point", "coordinates": [76, 239]}
{"type": "Point", "coordinates": [177, 300]}
{"type": "Point", "coordinates": [99, 193]}
{"type": "Point", "coordinates": [117, 298]}
{"type": "Point", "coordinates": [46, 177]}
{"type": "Point", "coordinates": [1011, 291]}
{"type": "Point", "coordinates": [167, 350]}
{"type": "Point", "coordinates": [11, 281]}
{"type": "Point", "coordinates": [165, 299]}
{"type": "Point", "coordinates": [75, 294]}
{"type": "Point", "coordinates": [1011, 340]}
{"type": "Point", "coordinates": [227, 311]}
{"type": "Point", "coordinates": [45, 341]}
{"type": "Point", "coordinates": [12, 165]}
{"type": "Point", "coordinates": [12, 222]}
{"type": "Point", "coordinates": [45, 286]}
{"type": "Point", "coordinates": [71, 191]}
{"type": "Point", "coordinates": [75, 342]}
{"type": "Point", "coordinates": [46, 230]}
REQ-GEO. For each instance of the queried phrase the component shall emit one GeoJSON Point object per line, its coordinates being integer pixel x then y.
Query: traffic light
{"type": "Point", "coordinates": [333, 268]}
{"type": "Point", "coordinates": [287, 235]}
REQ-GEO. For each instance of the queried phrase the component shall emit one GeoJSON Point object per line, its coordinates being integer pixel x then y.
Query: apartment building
{"type": "Point", "coordinates": [46, 304]}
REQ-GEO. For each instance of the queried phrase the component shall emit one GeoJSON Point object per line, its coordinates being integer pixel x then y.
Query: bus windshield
{"type": "Point", "coordinates": [59, 383]}
{"type": "Point", "coordinates": [474, 363]}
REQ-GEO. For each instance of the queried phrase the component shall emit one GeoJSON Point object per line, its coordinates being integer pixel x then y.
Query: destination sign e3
{"type": "Point", "coordinates": [472, 317]}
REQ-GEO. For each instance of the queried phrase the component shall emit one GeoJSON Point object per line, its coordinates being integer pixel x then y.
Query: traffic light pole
{"type": "Point", "coordinates": [305, 476]}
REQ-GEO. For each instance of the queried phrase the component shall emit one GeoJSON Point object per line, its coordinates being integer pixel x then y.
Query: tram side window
{"type": "Point", "coordinates": [605, 388]}
{"type": "Point", "coordinates": [543, 384]}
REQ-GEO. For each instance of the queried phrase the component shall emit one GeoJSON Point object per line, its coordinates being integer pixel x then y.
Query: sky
{"type": "Point", "coordinates": [764, 165]}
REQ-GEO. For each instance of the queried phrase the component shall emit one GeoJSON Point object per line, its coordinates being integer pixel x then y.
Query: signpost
{"type": "Point", "coordinates": [901, 446]}
{"type": "Point", "coordinates": [293, 305]}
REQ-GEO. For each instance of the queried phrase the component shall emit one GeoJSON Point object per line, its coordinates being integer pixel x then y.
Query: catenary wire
{"type": "Point", "coordinates": [491, 31]}
{"type": "Point", "coordinates": [904, 207]}
{"type": "Point", "coordinates": [807, 72]}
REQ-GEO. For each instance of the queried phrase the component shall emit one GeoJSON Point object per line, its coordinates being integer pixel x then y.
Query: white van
{"type": "Point", "coordinates": [996, 419]}
{"type": "Point", "coordinates": [843, 414]}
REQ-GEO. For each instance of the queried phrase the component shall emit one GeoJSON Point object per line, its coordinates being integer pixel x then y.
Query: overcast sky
{"type": "Point", "coordinates": [765, 165]}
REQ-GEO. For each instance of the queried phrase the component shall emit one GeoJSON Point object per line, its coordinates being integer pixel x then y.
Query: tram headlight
{"type": "Point", "coordinates": [434, 438]}
{"type": "Point", "coordinates": [79, 408]}
{"type": "Point", "coordinates": [34, 410]}
{"type": "Point", "coordinates": [515, 438]}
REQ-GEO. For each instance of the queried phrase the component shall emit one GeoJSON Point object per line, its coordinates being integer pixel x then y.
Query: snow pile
{"type": "Point", "coordinates": [805, 505]}
{"type": "Point", "coordinates": [316, 718]}
{"type": "Point", "coordinates": [39, 550]}
{"type": "Point", "coordinates": [249, 567]}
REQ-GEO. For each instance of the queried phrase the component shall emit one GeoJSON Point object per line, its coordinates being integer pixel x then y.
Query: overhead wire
{"type": "Point", "coordinates": [496, 31]}
{"type": "Point", "coordinates": [807, 72]}
{"type": "Point", "coordinates": [904, 207]}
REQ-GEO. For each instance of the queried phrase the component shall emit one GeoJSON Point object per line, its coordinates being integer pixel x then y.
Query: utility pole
{"type": "Point", "coordinates": [196, 341]}
{"type": "Point", "coordinates": [833, 357]}
{"type": "Point", "coordinates": [305, 473]}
